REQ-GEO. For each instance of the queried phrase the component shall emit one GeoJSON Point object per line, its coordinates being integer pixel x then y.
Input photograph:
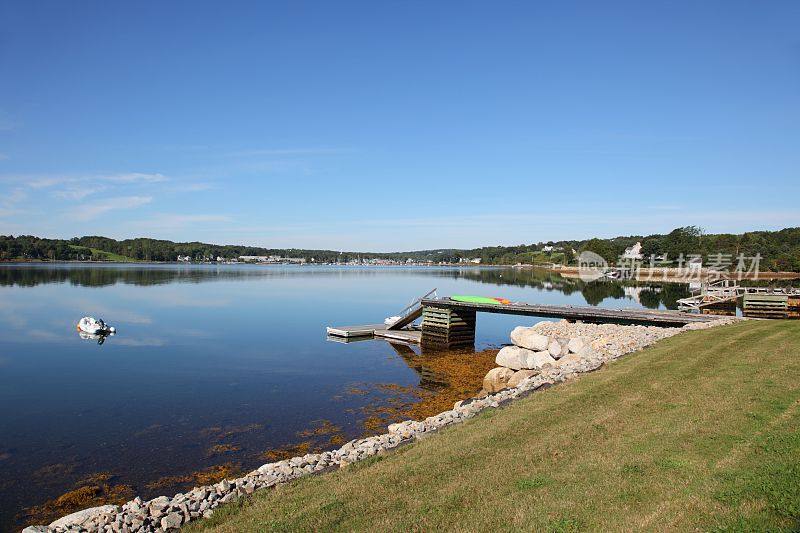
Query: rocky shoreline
{"type": "Point", "coordinates": [540, 356]}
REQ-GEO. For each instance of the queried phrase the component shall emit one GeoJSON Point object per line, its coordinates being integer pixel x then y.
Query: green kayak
{"type": "Point", "coordinates": [476, 299]}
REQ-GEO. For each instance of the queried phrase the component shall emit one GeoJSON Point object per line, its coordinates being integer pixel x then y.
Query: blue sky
{"type": "Point", "coordinates": [397, 125]}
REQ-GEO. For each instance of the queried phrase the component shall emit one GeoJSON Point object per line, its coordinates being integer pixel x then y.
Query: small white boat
{"type": "Point", "coordinates": [95, 326]}
{"type": "Point", "coordinates": [391, 320]}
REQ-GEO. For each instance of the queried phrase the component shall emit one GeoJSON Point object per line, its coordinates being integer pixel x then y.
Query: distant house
{"type": "Point", "coordinates": [695, 265]}
{"type": "Point", "coordinates": [476, 260]}
{"type": "Point", "coordinates": [634, 252]}
{"type": "Point", "coordinates": [184, 258]}
{"type": "Point", "coordinates": [271, 259]}
{"type": "Point", "coordinates": [547, 249]}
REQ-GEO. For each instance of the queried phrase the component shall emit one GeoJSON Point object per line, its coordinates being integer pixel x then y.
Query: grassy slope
{"type": "Point", "coordinates": [106, 256]}
{"type": "Point", "coordinates": [699, 431]}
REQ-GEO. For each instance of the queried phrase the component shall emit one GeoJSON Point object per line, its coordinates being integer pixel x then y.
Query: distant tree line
{"type": "Point", "coordinates": [779, 250]}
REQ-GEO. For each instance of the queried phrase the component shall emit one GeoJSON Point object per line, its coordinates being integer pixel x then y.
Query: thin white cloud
{"type": "Point", "coordinates": [135, 177]}
{"type": "Point", "coordinates": [289, 152]}
{"type": "Point", "coordinates": [192, 187]}
{"type": "Point", "coordinates": [43, 183]}
{"type": "Point", "coordinates": [87, 181]}
{"type": "Point", "coordinates": [15, 196]}
{"type": "Point", "coordinates": [9, 201]}
{"type": "Point", "coordinates": [77, 193]}
{"type": "Point", "coordinates": [10, 212]}
{"type": "Point", "coordinates": [188, 219]}
{"type": "Point", "coordinates": [3, 157]}
{"type": "Point", "coordinates": [86, 212]}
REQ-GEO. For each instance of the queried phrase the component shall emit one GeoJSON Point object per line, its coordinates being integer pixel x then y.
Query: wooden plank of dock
{"type": "Point", "coordinates": [582, 313]}
{"type": "Point", "coordinates": [414, 337]}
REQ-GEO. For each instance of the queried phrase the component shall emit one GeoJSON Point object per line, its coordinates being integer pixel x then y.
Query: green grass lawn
{"type": "Point", "coordinates": [103, 255]}
{"type": "Point", "coordinates": [701, 431]}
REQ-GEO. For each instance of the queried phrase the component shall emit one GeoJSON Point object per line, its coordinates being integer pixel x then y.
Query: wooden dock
{"type": "Point", "coordinates": [582, 313]}
{"type": "Point", "coordinates": [448, 323]}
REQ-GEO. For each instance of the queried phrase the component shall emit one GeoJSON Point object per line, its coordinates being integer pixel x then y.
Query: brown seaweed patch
{"type": "Point", "coordinates": [324, 427]}
{"type": "Point", "coordinates": [445, 378]}
{"type": "Point", "coordinates": [374, 424]}
{"type": "Point", "coordinates": [90, 492]}
{"type": "Point", "coordinates": [207, 476]}
{"type": "Point", "coordinates": [336, 440]}
{"type": "Point", "coordinates": [221, 449]}
{"type": "Point", "coordinates": [289, 451]}
{"type": "Point", "coordinates": [54, 472]}
{"type": "Point", "coordinates": [221, 433]}
{"type": "Point", "coordinates": [394, 387]}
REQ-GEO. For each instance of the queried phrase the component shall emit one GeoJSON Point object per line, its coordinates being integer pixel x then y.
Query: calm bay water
{"type": "Point", "coordinates": [215, 368]}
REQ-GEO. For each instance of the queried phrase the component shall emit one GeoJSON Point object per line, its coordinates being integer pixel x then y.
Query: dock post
{"type": "Point", "coordinates": [447, 328]}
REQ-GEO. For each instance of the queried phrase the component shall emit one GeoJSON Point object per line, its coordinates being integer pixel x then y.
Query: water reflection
{"type": "Point", "coordinates": [99, 338]}
{"type": "Point", "coordinates": [649, 295]}
{"type": "Point", "coordinates": [652, 295]}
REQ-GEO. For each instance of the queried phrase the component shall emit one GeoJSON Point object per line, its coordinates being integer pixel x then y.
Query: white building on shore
{"type": "Point", "coordinates": [633, 253]}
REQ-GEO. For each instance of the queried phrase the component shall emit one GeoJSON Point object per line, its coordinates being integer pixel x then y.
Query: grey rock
{"type": "Point", "coordinates": [554, 348]}
{"type": "Point", "coordinates": [536, 360]}
{"type": "Point", "coordinates": [529, 338]}
{"type": "Point", "coordinates": [576, 344]}
{"type": "Point", "coordinates": [521, 375]}
{"type": "Point", "coordinates": [171, 521]}
{"type": "Point", "coordinates": [81, 517]}
{"type": "Point", "coordinates": [512, 357]}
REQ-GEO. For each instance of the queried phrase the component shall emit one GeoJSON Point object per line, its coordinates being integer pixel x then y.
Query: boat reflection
{"type": "Point", "coordinates": [99, 337]}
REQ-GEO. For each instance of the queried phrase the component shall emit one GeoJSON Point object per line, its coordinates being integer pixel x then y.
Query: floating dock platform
{"type": "Point", "coordinates": [348, 332]}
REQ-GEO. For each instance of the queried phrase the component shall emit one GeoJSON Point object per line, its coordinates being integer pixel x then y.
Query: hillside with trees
{"type": "Point", "coordinates": [779, 250]}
